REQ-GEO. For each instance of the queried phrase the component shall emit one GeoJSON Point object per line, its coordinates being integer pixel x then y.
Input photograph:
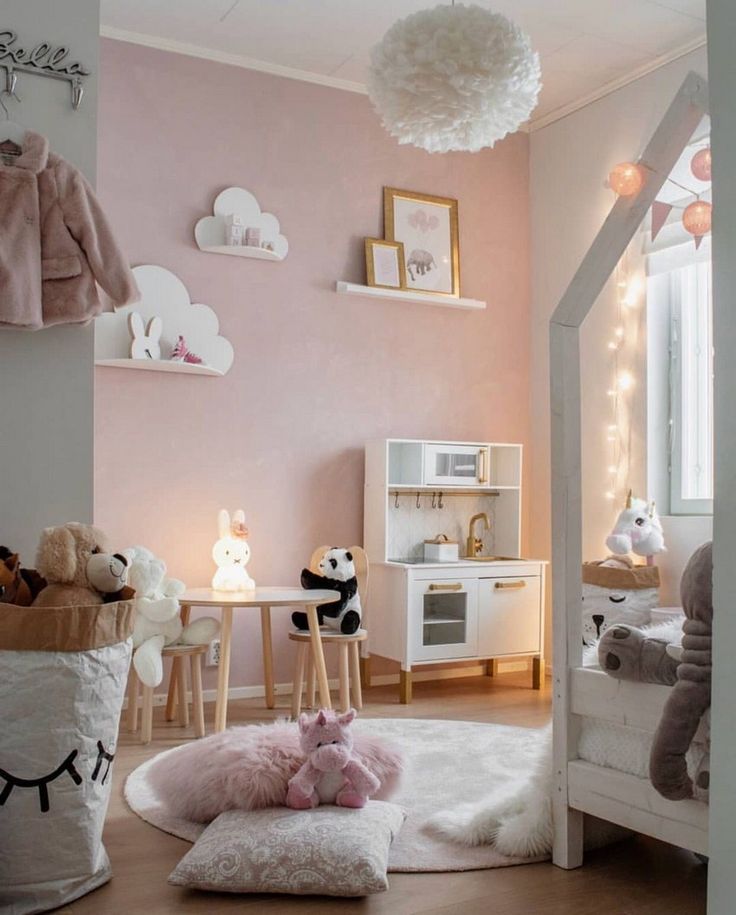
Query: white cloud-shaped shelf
{"type": "Point", "coordinates": [236, 201]}
{"type": "Point", "coordinates": [164, 295]}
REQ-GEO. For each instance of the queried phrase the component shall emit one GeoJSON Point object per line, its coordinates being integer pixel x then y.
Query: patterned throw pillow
{"type": "Point", "coordinates": [330, 851]}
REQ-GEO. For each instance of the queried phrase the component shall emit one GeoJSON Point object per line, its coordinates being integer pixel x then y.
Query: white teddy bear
{"type": "Point", "coordinates": [157, 621]}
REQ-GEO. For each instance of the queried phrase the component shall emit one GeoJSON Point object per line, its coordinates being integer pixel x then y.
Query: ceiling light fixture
{"type": "Point", "coordinates": [454, 78]}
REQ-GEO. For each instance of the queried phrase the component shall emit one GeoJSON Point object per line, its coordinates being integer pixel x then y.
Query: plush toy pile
{"type": "Point", "coordinates": [338, 574]}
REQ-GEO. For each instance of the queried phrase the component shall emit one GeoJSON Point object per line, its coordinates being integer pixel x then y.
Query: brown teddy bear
{"type": "Point", "coordinates": [689, 701]}
{"type": "Point", "coordinates": [76, 561]}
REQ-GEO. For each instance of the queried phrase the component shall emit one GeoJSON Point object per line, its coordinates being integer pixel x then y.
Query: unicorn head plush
{"type": "Point", "coordinates": [637, 530]}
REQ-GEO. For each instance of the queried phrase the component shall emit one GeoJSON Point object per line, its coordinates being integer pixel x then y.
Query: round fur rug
{"type": "Point", "coordinates": [448, 763]}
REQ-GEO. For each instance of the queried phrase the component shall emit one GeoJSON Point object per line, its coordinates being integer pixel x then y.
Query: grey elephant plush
{"type": "Point", "coordinates": [627, 653]}
{"type": "Point", "coordinates": [689, 702]}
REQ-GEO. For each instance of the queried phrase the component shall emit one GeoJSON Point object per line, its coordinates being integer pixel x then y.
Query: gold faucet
{"type": "Point", "coordinates": [474, 545]}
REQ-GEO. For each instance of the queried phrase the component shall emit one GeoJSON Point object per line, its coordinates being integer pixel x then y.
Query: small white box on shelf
{"type": "Point", "coordinates": [441, 549]}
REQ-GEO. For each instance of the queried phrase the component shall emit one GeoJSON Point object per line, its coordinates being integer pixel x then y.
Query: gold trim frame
{"type": "Point", "coordinates": [398, 247]}
{"type": "Point", "coordinates": [390, 194]}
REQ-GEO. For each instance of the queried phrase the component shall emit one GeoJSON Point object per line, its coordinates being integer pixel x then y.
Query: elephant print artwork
{"type": "Point", "coordinates": [428, 228]}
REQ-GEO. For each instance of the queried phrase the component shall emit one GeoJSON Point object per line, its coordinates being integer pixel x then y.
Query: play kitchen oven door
{"type": "Point", "coordinates": [455, 465]}
{"type": "Point", "coordinates": [444, 619]}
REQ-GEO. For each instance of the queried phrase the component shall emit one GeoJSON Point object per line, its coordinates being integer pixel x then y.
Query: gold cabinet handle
{"type": "Point", "coordinates": [482, 477]}
{"type": "Point", "coordinates": [454, 586]}
{"type": "Point", "coordinates": [509, 585]}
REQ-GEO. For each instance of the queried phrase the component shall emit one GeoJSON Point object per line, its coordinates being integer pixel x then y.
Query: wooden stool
{"type": "Point", "coordinates": [178, 653]}
{"type": "Point", "coordinates": [349, 667]}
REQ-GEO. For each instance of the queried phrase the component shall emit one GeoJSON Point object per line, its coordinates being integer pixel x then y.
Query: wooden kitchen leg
{"type": "Point", "coordinates": [267, 655]}
{"type": "Point", "coordinates": [537, 672]}
{"type": "Point", "coordinates": [491, 668]}
{"type": "Point", "coordinates": [318, 657]}
{"type": "Point", "coordinates": [223, 673]}
{"type": "Point", "coordinates": [176, 666]}
{"type": "Point", "coordinates": [405, 687]}
{"type": "Point", "coordinates": [365, 671]}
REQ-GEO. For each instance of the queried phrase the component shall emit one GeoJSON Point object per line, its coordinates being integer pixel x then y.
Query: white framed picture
{"type": "Point", "coordinates": [384, 263]}
{"type": "Point", "coordinates": [427, 226]}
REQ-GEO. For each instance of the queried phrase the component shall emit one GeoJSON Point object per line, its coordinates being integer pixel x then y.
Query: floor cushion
{"type": "Point", "coordinates": [331, 851]}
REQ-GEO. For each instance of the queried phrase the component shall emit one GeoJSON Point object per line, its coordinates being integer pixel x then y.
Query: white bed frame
{"type": "Point", "coordinates": [580, 786]}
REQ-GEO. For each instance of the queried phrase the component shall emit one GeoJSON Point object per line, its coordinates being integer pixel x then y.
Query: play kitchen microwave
{"type": "Point", "coordinates": [447, 465]}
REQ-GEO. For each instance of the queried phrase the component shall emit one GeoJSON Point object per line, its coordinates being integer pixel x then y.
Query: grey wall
{"type": "Point", "coordinates": [46, 377]}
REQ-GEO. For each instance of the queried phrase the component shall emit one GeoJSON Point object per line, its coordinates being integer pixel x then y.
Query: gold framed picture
{"type": "Point", "coordinates": [428, 228]}
{"type": "Point", "coordinates": [384, 263]}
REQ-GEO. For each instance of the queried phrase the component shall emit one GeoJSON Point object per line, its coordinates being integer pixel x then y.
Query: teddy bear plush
{"type": "Point", "coordinates": [689, 702]}
{"type": "Point", "coordinates": [80, 570]}
{"type": "Point", "coordinates": [331, 773]}
{"type": "Point", "coordinates": [157, 621]}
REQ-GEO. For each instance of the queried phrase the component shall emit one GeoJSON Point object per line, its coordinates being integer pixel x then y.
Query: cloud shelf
{"type": "Point", "coordinates": [164, 296]}
{"type": "Point", "coordinates": [210, 231]}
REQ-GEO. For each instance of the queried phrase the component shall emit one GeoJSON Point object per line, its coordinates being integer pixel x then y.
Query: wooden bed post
{"type": "Point", "coordinates": [622, 223]}
{"type": "Point", "coordinates": [566, 582]}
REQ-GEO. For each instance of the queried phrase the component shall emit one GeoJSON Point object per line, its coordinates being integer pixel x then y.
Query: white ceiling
{"type": "Point", "coordinates": [585, 45]}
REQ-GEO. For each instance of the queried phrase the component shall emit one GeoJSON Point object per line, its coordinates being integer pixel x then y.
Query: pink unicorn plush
{"type": "Point", "coordinates": [331, 772]}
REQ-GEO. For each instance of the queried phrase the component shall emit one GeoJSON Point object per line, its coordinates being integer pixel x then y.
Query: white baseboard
{"type": "Point", "coordinates": [258, 691]}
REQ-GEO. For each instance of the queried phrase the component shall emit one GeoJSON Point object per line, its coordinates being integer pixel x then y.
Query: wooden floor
{"type": "Point", "coordinates": [637, 877]}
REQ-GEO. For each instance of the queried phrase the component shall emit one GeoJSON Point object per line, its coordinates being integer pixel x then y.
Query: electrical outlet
{"type": "Point", "coordinates": [213, 653]}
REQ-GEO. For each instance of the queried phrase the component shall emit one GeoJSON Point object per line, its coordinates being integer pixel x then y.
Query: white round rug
{"type": "Point", "coordinates": [447, 763]}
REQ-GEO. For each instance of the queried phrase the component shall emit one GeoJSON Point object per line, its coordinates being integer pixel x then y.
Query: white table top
{"type": "Point", "coordinates": [258, 597]}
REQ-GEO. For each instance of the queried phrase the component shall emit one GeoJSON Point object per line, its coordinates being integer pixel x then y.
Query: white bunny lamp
{"type": "Point", "coordinates": [231, 553]}
{"type": "Point", "coordinates": [146, 340]}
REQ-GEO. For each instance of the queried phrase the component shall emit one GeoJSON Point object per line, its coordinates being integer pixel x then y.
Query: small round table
{"type": "Point", "coordinates": [265, 598]}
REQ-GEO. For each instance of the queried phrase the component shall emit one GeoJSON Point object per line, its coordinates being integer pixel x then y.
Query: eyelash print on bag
{"type": "Point", "coordinates": [13, 781]}
{"type": "Point", "coordinates": [102, 754]}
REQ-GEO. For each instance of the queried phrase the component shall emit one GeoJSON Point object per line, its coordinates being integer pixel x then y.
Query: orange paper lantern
{"type": "Point", "coordinates": [701, 163]}
{"type": "Point", "coordinates": [626, 179]}
{"type": "Point", "coordinates": [697, 218]}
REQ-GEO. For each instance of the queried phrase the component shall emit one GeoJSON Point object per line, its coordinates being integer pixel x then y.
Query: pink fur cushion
{"type": "Point", "coordinates": [248, 768]}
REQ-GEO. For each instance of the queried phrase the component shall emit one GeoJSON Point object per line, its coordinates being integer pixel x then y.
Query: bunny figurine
{"type": "Point", "coordinates": [231, 554]}
{"type": "Point", "coordinates": [146, 340]}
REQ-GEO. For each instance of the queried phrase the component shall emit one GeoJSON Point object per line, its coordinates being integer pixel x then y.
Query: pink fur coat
{"type": "Point", "coordinates": [248, 768]}
{"type": "Point", "coordinates": [55, 242]}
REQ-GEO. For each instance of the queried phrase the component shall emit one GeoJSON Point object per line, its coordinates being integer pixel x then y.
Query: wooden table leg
{"type": "Point", "coordinates": [176, 666]}
{"type": "Point", "coordinates": [223, 673]}
{"type": "Point", "coordinates": [181, 683]}
{"type": "Point", "coordinates": [537, 672]}
{"type": "Point", "coordinates": [267, 655]}
{"type": "Point", "coordinates": [147, 714]}
{"type": "Point", "coordinates": [491, 668]}
{"type": "Point", "coordinates": [405, 687]}
{"type": "Point", "coordinates": [302, 650]}
{"type": "Point", "coordinates": [318, 657]}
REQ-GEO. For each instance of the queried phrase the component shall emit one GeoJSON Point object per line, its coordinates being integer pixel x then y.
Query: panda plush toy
{"type": "Point", "coordinates": [338, 574]}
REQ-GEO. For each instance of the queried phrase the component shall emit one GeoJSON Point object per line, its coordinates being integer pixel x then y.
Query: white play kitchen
{"type": "Point", "coordinates": [442, 531]}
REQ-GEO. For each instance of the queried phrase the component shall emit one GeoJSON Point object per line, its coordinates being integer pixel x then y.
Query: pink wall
{"type": "Point", "coordinates": [315, 374]}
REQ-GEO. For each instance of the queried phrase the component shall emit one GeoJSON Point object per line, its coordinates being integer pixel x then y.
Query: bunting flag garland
{"type": "Point", "coordinates": [660, 212]}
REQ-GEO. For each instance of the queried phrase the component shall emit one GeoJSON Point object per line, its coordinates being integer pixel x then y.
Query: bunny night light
{"type": "Point", "coordinates": [231, 553]}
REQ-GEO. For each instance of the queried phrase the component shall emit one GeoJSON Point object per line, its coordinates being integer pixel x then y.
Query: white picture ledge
{"type": "Point", "coordinates": [164, 296]}
{"type": "Point", "coordinates": [405, 295]}
{"type": "Point", "coordinates": [211, 232]}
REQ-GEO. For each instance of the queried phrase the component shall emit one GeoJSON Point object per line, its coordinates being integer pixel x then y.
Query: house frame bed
{"type": "Point", "coordinates": [581, 787]}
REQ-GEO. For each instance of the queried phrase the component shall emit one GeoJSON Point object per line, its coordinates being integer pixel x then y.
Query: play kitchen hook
{"type": "Point", "coordinates": [434, 500]}
{"type": "Point", "coordinates": [396, 499]}
{"type": "Point", "coordinates": [419, 500]}
{"type": "Point", "coordinates": [439, 504]}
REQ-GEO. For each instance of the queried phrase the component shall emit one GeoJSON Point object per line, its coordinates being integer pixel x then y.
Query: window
{"type": "Point", "coordinates": [680, 382]}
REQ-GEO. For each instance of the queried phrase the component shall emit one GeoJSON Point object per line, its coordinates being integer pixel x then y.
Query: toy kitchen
{"type": "Point", "coordinates": [442, 531]}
